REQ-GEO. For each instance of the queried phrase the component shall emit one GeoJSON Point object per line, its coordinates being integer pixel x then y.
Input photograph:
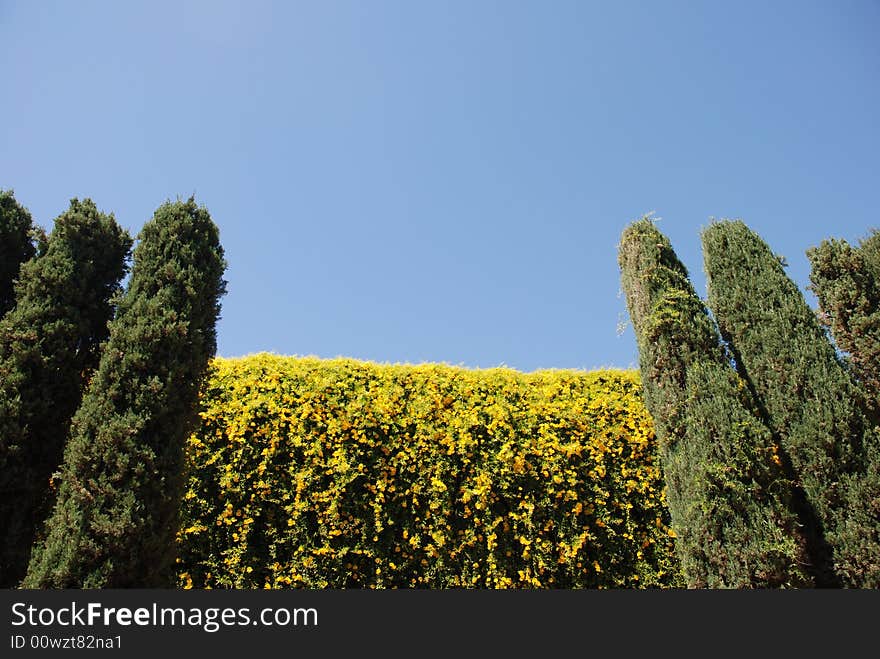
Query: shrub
{"type": "Point", "coordinates": [338, 474]}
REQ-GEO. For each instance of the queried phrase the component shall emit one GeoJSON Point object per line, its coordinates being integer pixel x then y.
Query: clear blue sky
{"type": "Point", "coordinates": [446, 181]}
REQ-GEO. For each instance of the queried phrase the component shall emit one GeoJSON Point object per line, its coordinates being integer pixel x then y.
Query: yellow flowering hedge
{"type": "Point", "coordinates": [340, 474]}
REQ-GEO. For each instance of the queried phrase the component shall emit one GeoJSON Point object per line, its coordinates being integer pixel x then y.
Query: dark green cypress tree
{"type": "Point", "coordinates": [807, 396]}
{"type": "Point", "coordinates": [115, 519]}
{"type": "Point", "coordinates": [729, 503]}
{"type": "Point", "coordinates": [846, 281]}
{"type": "Point", "coordinates": [48, 347]}
{"type": "Point", "coordinates": [16, 245]}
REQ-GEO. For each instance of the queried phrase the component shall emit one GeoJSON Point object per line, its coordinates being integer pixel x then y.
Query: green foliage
{"type": "Point", "coordinates": [48, 347]}
{"type": "Point", "coordinates": [729, 499]}
{"type": "Point", "coordinates": [809, 399]}
{"type": "Point", "coordinates": [344, 474]}
{"type": "Point", "coordinates": [115, 516]}
{"type": "Point", "coordinates": [16, 245]}
{"type": "Point", "coordinates": [846, 281]}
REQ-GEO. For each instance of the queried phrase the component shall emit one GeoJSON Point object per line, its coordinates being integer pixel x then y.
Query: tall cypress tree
{"type": "Point", "coordinates": [16, 245]}
{"type": "Point", "coordinates": [730, 508]}
{"type": "Point", "coordinates": [808, 397]}
{"type": "Point", "coordinates": [48, 347]}
{"type": "Point", "coordinates": [846, 281]}
{"type": "Point", "coordinates": [114, 522]}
